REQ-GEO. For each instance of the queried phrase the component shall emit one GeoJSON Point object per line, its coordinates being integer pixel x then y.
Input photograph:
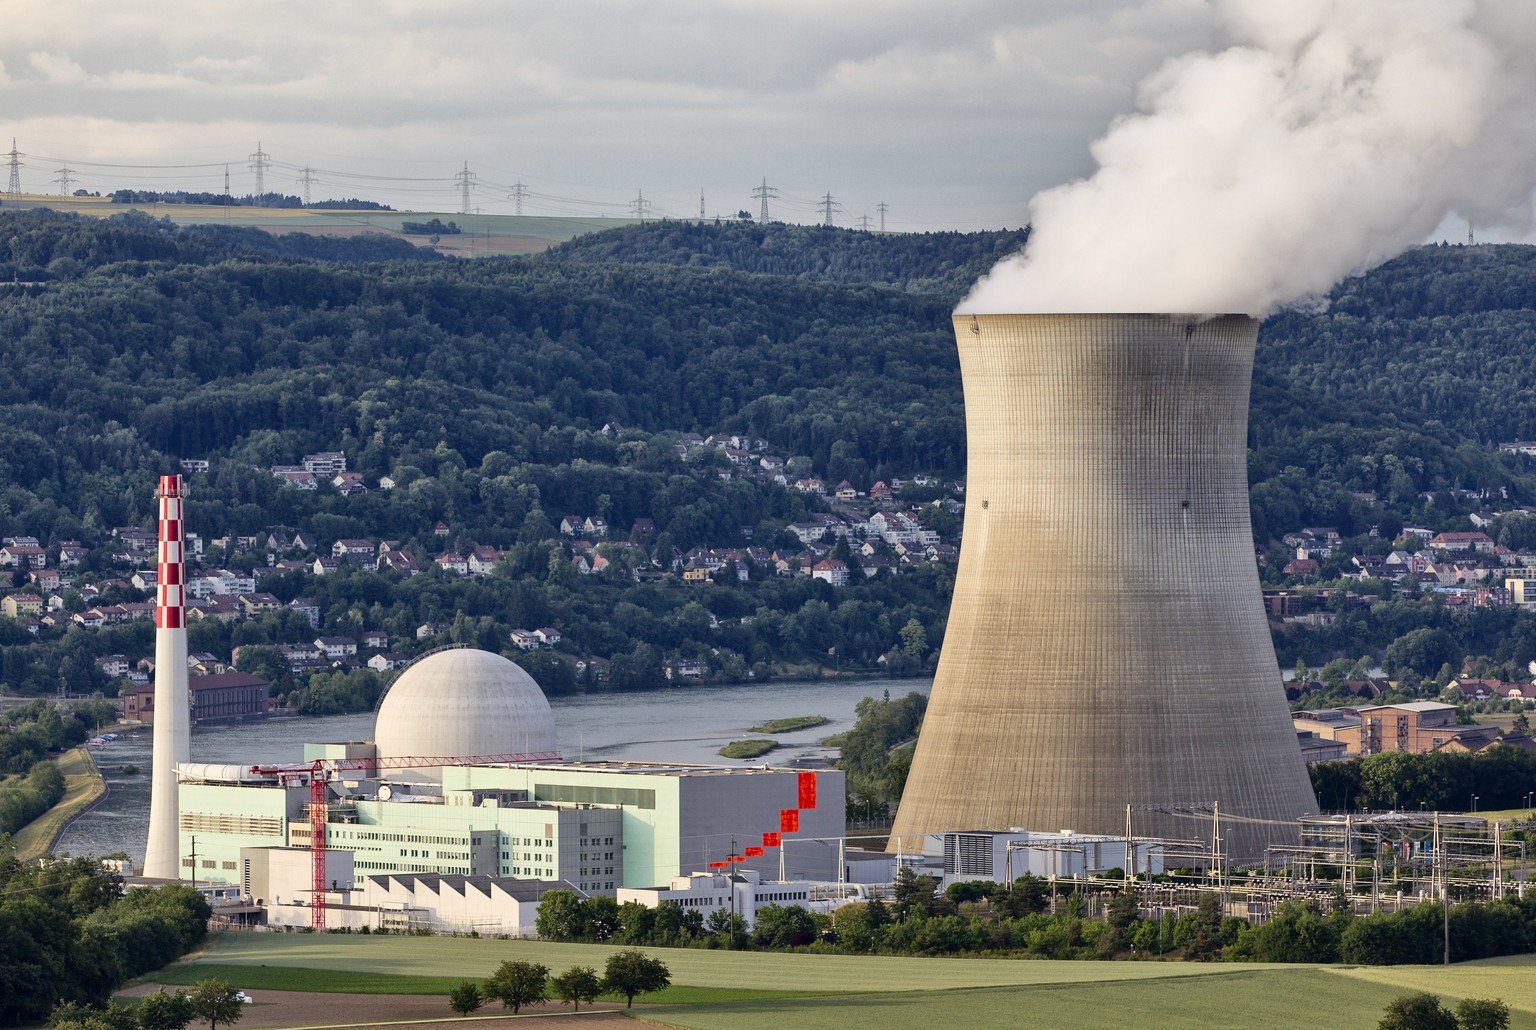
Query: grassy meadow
{"type": "Point", "coordinates": [714, 990]}
{"type": "Point", "coordinates": [83, 787]}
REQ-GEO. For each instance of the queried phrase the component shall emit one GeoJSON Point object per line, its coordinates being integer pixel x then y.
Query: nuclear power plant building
{"type": "Point", "coordinates": [1107, 654]}
{"type": "Point", "coordinates": [595, 825]}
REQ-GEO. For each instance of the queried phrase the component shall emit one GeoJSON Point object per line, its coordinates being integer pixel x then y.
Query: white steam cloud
{"type": "Point", "coordinates": [1329, 136]}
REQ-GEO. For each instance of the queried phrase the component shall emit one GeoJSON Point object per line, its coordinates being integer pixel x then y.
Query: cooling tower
{"type": "Point", "coordinates": [1107, 642]}
{"type": "Point", "coordinates": [172, 706]}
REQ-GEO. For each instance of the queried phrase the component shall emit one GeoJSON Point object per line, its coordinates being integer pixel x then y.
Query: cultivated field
{"type": "Point", "coordinates": [724, 991]}
{"type": "Point", "coordinates": [482, 235]}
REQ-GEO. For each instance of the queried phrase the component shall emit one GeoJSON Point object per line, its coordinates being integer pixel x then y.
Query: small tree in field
{"type": "Point", "coordinates": [1420, 1011]}
{"type": "Point", "coordinates": [516, 984]}
{"type": "Point", "coordinates": [163, 1011]}
{"type": "Point", "coordinates": [634, 972]}
{"type": "Point", "coordinates": [1482, 1014]}
{"type": "Point", "coordinates": [464, 997]}
{"type": "Point", "coordinates": [576, 985]}
{"type": "Point", "coordinates": [217, 1002]}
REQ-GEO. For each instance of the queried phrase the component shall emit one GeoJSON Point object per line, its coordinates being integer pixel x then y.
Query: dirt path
{"type": "Point", "coordinates": [296, 1010]}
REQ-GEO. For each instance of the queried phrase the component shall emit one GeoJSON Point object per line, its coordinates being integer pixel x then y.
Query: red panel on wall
{"type": "Point", "coordinates": [789, 820]}
{"type": "Point", "coordinates": [719, 865]}
{"type": "Point", "coordinates": [752, 852]}
{"type": "Point", "coordinates": [807, 790]}
{"type": "Point", "coordinates": [770, 840]}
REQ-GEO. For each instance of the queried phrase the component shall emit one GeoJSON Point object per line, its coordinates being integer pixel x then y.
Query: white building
{"type": "Point", "coordinates": [1004, 856]}
{"type": "Point", "coordinates": [706, 893]}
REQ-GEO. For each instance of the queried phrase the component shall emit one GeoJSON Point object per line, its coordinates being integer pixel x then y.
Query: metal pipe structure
{"type": "Point", "coordinates": [1107, 642]}
{"type": "Point", "coordinates": [173, 706]}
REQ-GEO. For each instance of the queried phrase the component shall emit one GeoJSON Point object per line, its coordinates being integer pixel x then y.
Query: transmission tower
{"type": "Point", "coordinates": [763, 192]}
{"type": "Point", "coordinates": [701, 203]}
{"type": "Point", "coordinates": [639, 206]}
{"type": "Point", "coordinates": [14, 189]}
{"type": "Point", "coordinates": [1470, 240]}
{"type": "Point", "coordinates": [828, 205]}
{"type": "Point", "coordinates": [64, 180]}
{"type": "Point", "coordinates": [864, 223]}
{"type": "Point", "coordinates": [465, 179]}
{"type": "Point", "coordinates": [258, 165]}
{"type": "Point", "coordinates": [519, 191]}
{"type": "Point", "coordinates": [226, 180]}
{"type": "Point", "coordinates": [307, 180]}
{"type": "Point", "coordinates": [882, 207]}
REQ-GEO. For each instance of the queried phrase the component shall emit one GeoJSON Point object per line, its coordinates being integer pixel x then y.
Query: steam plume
{"type": "Point", "coordinates": [1328, 137]}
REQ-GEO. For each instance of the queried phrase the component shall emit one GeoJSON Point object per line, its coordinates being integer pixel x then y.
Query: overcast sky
{"type": "Point", "coordinates": [954, 114]}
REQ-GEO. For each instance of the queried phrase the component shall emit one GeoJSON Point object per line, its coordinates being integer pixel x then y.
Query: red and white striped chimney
{"type": "Point", "coordinates": [172, 704]}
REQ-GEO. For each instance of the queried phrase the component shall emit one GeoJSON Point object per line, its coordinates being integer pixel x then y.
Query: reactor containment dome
{"type": "Point", "coordinates": [463, 703]}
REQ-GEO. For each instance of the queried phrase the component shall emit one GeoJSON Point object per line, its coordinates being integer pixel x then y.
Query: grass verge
{"type": "Point", "coordinates": [83, 787]}
{"type": "Point", "coordinates": [790, 725]}
{"type": "Point", "coordinates": [331, 981]}
{"type": "Point", "coordinates": [748, 748]}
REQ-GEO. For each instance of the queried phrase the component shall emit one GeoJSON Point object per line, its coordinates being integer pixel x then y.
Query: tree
{"type": "Point", "coordinates": [1420, 1011]}
{"type": "Point", "coordinates": [161, 1011]}
{"type": "Point", "coordinates": [1122, 909]}
{"type": "Point", "coordinates": [217, 1002]}
{"type": "Point", "coordinates": [576, 985]}
{"type": "Point", "coordinates": [516, 984]}
{"type": "Point", "coordinates": [1482, 1014]}
{"type": "Point", "coordinates": [560, 916]}
{"type": "Point", "coordinates": [634, 972]}
{"type": "Point", "coordinates": [464, 997]}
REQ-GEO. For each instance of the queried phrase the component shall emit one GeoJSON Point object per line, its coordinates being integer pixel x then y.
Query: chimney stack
{"type": "Point", "coordinates": [172, 705]}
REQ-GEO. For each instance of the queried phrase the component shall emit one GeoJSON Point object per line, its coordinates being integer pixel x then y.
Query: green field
{"type": "Point", "coordinates": [483, 235]}
{"type": "Point", "coordinates": [83, 787]}
{"type": "Point", "coordinates": [716, 990]}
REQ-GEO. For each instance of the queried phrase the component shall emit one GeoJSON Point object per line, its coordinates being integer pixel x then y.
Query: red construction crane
{"type": "Point", "coordinates": [318, 775]}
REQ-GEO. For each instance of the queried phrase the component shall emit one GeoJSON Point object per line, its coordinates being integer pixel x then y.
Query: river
{"type": "Point", "coordinates": [680, 724]}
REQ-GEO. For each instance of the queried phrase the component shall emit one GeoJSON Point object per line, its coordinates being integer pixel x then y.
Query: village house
{"type": "Point", "coordinates": [19, 605]}
{"type": "Point", "coordinates": [23, 556]}
{"type": "Point", "coordinates": [832, 571]}
{"type": "Point", "coordinates": [326, 463]}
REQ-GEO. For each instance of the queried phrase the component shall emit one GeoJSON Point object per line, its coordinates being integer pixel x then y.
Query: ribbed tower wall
{"type": "Point", "coordinates": [1107, 643]}
{"type": "Point", "coordinates": [173, 716]}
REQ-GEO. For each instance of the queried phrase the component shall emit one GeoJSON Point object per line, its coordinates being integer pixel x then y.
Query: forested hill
{"type": "Point", "coordinates": [941, 263]}
{"type": "Point", "coordinates": [130, 343]}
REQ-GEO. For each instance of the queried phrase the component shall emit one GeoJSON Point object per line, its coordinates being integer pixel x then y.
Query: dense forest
{"type": "Point", "coordinates": [484, 388]}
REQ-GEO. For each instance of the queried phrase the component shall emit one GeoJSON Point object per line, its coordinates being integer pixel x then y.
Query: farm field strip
{"type": "Point", "coordinates": [455, 957]}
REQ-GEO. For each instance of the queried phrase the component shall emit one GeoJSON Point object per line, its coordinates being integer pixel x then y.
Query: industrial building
{"type": "Point", "coordinates": [1004, 856]}
{"type": "Point", "coordinates": [402, 806]}
{"type": "Point", "coordinates": [1108, 559]}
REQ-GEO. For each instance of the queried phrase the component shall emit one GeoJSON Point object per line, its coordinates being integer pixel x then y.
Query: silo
{"type": "Point", "coordinates": [1107, 644]}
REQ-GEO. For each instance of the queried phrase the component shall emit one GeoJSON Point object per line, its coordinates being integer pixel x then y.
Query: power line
{"type": "Point", "coordinates": [465, 179]}
{"type": "Point", "coordinates": [763, 192]}
{"type": "Point", "coordinates": [14, 189]}
{"type": "Point", "coordinates": [307, 178]}
{"type": "Point", "coordinates": [258, 165]}
{"type": "Point", "coordinates": [827, 205]}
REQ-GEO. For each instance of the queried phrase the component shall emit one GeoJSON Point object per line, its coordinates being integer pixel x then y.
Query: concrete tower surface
{"type": "Point", "coordinates": [173, 716]}
{"type": "Point", "coordinates": [1107, 642]}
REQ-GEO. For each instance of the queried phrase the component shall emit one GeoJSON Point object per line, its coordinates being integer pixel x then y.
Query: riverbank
{"type": "Point", "coordinates": [84, 788]}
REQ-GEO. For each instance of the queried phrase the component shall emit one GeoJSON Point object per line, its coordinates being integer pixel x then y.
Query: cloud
{"type": "Point", "coordinates": [56, 68]}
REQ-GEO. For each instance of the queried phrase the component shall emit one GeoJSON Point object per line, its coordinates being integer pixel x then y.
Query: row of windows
{"type": "Point", "coordinates": [596, 841]}
{"type": "Point", "coordinates": [594, 870]}
{"type": "Point", "coordinates": [593, 855]}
